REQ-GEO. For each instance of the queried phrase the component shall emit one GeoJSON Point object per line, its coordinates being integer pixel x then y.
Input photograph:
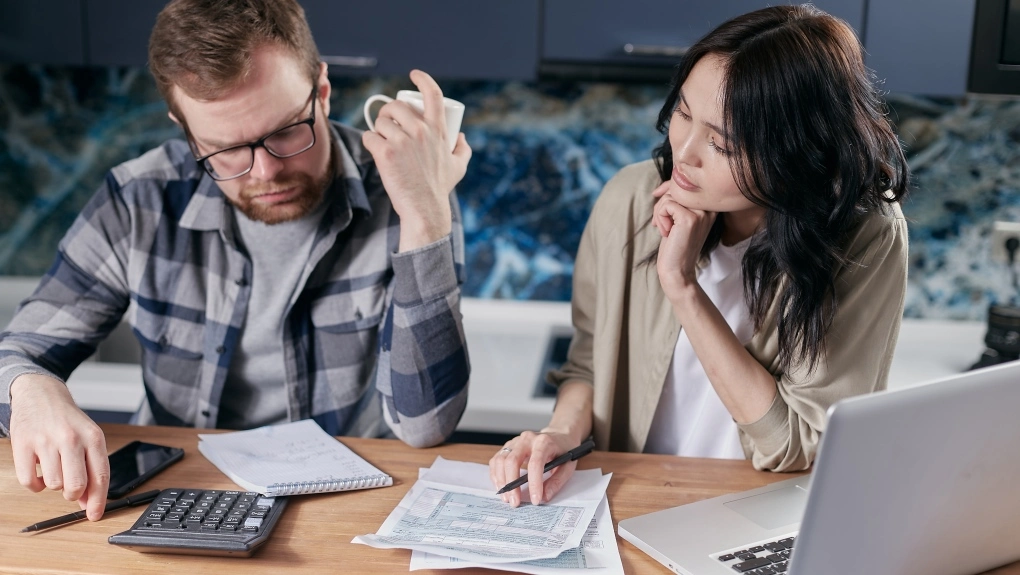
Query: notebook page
{"type": "Point", "coordinates": [293, 452]}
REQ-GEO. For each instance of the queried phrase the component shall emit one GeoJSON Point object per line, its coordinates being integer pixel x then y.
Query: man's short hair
{"type": "Point", "coordinates": [206, 47]}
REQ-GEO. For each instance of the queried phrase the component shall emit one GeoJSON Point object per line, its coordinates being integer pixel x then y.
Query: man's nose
{"type": "Point", "coordinates": [265, 166]}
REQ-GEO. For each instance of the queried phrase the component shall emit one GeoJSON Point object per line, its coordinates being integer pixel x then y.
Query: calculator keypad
{"type": "Point", "coordinates": [208, 511]}
{"type": "Point", "coordinates": [206, 521]}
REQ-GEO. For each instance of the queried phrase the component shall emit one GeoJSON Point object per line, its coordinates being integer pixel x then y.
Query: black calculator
{"type": "Point", "coordinates": [204, 522]}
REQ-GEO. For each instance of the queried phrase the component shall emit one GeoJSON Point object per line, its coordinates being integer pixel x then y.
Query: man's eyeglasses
{"type": "Point", "coordinates": [286, 142]}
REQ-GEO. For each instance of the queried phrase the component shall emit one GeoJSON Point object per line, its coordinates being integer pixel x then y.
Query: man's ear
{"type": "Point", "coordinates": [173, 118]}
{"type": "Point", "coordinates": [325, 88]}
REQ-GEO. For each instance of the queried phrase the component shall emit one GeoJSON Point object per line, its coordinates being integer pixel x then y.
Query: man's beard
{"type": "Point", "coordinates": [309, 198]}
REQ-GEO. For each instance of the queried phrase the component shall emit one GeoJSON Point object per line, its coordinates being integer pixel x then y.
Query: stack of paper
{"type": "Point", "coordinates": [452, 518]}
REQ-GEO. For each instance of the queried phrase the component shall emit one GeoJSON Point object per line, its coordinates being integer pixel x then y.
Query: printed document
{"type": "Point", "coordinates": [453, 511]}
{"type": "Point", "coordinates": [598, 550]}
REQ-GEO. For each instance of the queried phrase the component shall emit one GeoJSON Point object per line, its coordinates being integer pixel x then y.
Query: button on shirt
{"type": "Point", "coordinates": [372, 336]}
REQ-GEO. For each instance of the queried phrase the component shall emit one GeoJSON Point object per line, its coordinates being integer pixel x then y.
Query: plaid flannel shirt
{"type": "Point", "coordinates": [156, 245]}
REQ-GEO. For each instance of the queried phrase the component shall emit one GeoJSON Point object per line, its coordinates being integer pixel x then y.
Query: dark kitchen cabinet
{"type": "Point", "coordinates": [117, 31]}
{"type": "Point", "coordinates": [41, 32]}
{"type": "Point", "coordinates": [920, 46]}
{"type": "Point", "coordinates": [640, 32]}
{"type": "Point", "coordinates": [914, 46]}
{"type": "Point", "coordinates": [446, 38]}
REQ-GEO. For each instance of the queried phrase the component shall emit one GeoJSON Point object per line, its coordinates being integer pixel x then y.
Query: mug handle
{"type": "Point", "coordinates": [368, 104]}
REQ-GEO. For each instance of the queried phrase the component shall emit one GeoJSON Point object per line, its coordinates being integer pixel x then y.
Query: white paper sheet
{"type": "Point", "coordinates": [453, 511]}
{"type": "Point", "coordinates": [289, 458]}
{"type": "Point", "coordinates": [598, 554]}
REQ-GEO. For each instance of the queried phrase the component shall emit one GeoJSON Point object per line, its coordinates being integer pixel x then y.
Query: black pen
{"type": "Point", "coordinates": [579, 451]}
{"type": "Point", "coordinates": [110, 506]}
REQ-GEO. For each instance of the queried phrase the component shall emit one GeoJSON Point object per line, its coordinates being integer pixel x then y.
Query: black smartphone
{"type": "Point", "coordinates": [136, 462]}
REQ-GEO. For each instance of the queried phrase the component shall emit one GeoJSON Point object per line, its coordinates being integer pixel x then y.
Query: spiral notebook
{"type": "Point", "coordinates": [289, 459]}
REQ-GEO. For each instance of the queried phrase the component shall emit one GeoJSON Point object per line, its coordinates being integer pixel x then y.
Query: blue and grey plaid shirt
{"type": "Point", "coordinates": [156, 243]}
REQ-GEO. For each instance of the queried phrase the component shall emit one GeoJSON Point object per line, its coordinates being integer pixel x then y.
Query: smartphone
{"type": "Point", "coordinates": [136, 462]}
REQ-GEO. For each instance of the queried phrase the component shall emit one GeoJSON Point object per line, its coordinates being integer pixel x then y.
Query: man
{"type": "Point", "coordinates": [275, 266]}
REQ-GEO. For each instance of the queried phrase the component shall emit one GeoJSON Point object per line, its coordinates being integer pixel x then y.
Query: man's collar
{"type": "Point", "coordinates": [208, 208]}
{"type": "Point", "coordinates": [348, 172]}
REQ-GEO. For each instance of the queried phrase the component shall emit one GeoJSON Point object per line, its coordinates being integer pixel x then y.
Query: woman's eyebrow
{"type": "Point", "coordinates": [683, 100]}
{"type": "Point", "coordinates": [714, 127]}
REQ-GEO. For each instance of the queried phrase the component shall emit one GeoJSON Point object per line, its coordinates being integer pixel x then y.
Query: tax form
{"type": "Point", "coordinates": [598, 551]}
{"type": "Point", "coordinates": [453, 511]}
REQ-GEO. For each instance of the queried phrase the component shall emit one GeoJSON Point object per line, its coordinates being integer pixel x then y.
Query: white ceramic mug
{"type": "Point", "coordinates": [454, 111]}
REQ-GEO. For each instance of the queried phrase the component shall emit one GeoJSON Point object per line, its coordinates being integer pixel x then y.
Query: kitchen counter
{"type": "Point", "coordinates": [510, 346]}
{"type": "Point", "coordinates": [508, 342]}
{"type": "Point", "coordinates": [509, 350]}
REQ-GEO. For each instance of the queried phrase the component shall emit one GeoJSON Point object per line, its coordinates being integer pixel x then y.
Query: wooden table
{"type": "Point", "coordinates": [314, 535]}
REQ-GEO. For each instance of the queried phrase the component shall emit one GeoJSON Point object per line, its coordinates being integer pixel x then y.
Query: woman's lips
{"type": "Point", "coordinates": [682, 181]}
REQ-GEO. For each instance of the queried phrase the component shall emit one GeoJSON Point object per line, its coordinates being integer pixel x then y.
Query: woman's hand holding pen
{"type": "Point", "coordinates": [533, 450]}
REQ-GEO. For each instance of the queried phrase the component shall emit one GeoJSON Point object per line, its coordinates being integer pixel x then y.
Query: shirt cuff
{"type": "Point", "coordinates": [771, 432]}
{"type": "Point", "coordinates": [7, 376]}
{"type": "Point", "coordinates": [424, 273]}
{"type": "Point", "coordinates": [9, 373]}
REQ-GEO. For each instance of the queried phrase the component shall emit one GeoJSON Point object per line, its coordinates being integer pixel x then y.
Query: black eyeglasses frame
{"type": "Point", "coordinates": [261, 143]}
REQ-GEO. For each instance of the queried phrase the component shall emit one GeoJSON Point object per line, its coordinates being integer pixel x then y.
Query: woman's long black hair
{"type": "Point", "coordinates": [811, 144]}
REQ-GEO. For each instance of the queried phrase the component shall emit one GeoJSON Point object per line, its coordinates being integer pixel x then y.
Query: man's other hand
{"type": "Point", "coordinates": [48, 429]}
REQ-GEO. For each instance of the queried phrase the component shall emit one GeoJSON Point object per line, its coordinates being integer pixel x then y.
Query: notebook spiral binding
{"type": "Point", "coordinates": [328, 485]}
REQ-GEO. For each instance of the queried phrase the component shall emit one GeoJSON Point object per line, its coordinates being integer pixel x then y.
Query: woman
{"type": "Point", "coordinates": [768, 228]}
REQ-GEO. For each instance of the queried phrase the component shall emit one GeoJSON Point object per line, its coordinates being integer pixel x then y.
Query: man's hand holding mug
{"type": "Point", "coordinates": [421, 155]}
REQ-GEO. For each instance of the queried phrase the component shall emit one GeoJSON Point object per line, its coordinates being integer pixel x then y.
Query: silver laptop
{"type": "Point", "coordinates": [923, 479]}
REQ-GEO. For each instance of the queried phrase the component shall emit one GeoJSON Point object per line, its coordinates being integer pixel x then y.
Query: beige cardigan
{"type": "Point", "coordinates": [625, 330]}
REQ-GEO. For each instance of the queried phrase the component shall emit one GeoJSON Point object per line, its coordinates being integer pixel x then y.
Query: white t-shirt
{"type": "Point", "coordinates": [690, 419]}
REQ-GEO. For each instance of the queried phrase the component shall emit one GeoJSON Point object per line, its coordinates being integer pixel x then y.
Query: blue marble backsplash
{"type": "Point", "coordinates": [542, 152]}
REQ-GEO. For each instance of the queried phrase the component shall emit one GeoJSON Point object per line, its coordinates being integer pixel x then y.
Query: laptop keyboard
{"type": "Point", "coordinates": [768, 558]}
